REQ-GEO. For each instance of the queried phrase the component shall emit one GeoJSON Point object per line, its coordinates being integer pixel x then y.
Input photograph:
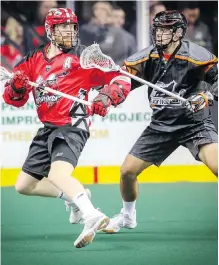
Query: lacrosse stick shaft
{"type": "Point", "coordinates": [140, 80]}
{"type": "Point", "coordinates": [59, 93]}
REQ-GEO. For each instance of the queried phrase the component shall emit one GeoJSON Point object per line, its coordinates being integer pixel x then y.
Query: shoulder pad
{"type": "Point", "coordinates": [140, 56]}
{"type": "Point", "coordinates": [195, 54]}
{"type": "Point", "coordinates": [30, 54]}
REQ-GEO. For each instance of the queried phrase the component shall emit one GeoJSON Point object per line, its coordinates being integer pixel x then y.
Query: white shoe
{"type": "Point", "coordinates": [76, 215]}
{"type": "Point", "coordinates": [121, 220]}
{"type": "Point", "coordinates": [96, 221]}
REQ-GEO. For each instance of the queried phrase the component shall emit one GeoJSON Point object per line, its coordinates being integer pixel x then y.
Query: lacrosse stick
{"type": "Point", "coordinates": [5, 75]}
{"type": "Point", "coordinates": [92, 57]}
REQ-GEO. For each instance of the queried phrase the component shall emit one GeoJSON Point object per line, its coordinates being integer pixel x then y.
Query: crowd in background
{"type": "Point", "coordinates": [107, 23]}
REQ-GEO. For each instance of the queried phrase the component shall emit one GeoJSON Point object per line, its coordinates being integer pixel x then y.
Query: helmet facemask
{"type": "Point", "coordinates": [163, 37]}
{"type": "Point", "coordinates": [65, 36]}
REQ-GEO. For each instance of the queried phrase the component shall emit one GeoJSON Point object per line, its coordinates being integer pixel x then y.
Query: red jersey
{"type": "Point", "coordinates": [64, 73]}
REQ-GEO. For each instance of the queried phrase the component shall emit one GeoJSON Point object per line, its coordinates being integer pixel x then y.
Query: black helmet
{"type": "Point", "coordinates": [169, 19]}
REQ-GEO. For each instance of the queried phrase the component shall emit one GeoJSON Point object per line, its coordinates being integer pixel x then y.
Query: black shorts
{"type": "Point", "coordinates": [155, 146]}
{"type": "Point", "coordinates": [54, 144]}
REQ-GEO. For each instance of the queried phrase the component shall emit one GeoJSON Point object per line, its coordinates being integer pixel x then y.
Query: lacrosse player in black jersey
{"type": "Point", "coordinates": [179, 66]}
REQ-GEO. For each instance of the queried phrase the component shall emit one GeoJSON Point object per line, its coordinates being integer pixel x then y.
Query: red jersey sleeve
{"type": "Point", "coordinates": [116, 79]}
{"type": "Point", "coordinates": [9, 96]}
{"type": "Point", "coordinates": [100, 78]}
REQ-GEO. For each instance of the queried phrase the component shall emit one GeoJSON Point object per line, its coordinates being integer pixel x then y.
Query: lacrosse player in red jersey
{"type": "Point", "coordinates": [55, 150]}
{"type": "Point", "coordinates": [178, 66]}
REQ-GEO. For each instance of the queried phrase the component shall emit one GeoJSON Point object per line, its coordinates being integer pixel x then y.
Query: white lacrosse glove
{"type": "Point", "coordinates": [199, 101]}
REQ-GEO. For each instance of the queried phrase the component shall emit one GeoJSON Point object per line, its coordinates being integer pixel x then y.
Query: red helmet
{"type": "Point", "coordinates": [57, 16]}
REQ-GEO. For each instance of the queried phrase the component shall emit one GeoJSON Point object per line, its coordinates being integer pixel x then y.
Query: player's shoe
{"type": "Point", "coordinates": [94, 222]}
{"type": "Point", "coordinates": [76, 215]}
{"type": "Point", "coordinates": [121, 220]}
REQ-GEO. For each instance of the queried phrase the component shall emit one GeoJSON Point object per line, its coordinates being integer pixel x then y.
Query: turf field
{"type": "Point", "coordinates": [177, 225]}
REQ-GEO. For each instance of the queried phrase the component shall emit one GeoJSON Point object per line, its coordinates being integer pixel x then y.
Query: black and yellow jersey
{"type": "Point", "coordinates": [183, 73]}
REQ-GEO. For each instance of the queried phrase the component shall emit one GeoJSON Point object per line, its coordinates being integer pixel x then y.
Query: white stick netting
{"type": "Point", "coordinates": [92, 57]}
{"type": "Point", "coordinates": [4, 74]}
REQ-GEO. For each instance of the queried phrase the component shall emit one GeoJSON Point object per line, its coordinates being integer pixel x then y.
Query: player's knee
{"type": "Point", "coordinates": [127, 172]}
{"type": "Point", "coordinates": [22, 188]}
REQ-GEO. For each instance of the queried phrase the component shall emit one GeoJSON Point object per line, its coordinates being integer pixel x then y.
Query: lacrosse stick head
{"type": "Point", "coordinates": [92, 57]}
{"type": "Point", "coordinates": [5, 74]}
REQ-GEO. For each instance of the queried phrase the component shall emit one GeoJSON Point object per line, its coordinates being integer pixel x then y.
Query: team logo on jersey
{"type": "Point", "coordinates": [160, 100]}
{"type": "Point", "coordinates": [52, 82]}
{"type": "Point", "coordinates": [67, 63]}
{"type": "Point", "coordinates": [44, 96]}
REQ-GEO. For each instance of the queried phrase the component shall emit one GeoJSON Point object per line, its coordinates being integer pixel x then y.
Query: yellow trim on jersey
{"type": "Point", "coordinates": [154, 55]}
{"type": "Point", "coordinates": [214, 60]}
{"type": "Point", "coordinates": [209, 67]}
{"type": "Point", "coordinates": [132, 71]}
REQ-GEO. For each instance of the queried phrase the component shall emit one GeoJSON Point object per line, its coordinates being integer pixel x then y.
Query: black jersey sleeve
{"type": "Point", "coordinates": [206, 64]}
{"type": "Point", "coordinates": [136, 64]}
{"type": "Point", "coordinates": [211, 77]}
